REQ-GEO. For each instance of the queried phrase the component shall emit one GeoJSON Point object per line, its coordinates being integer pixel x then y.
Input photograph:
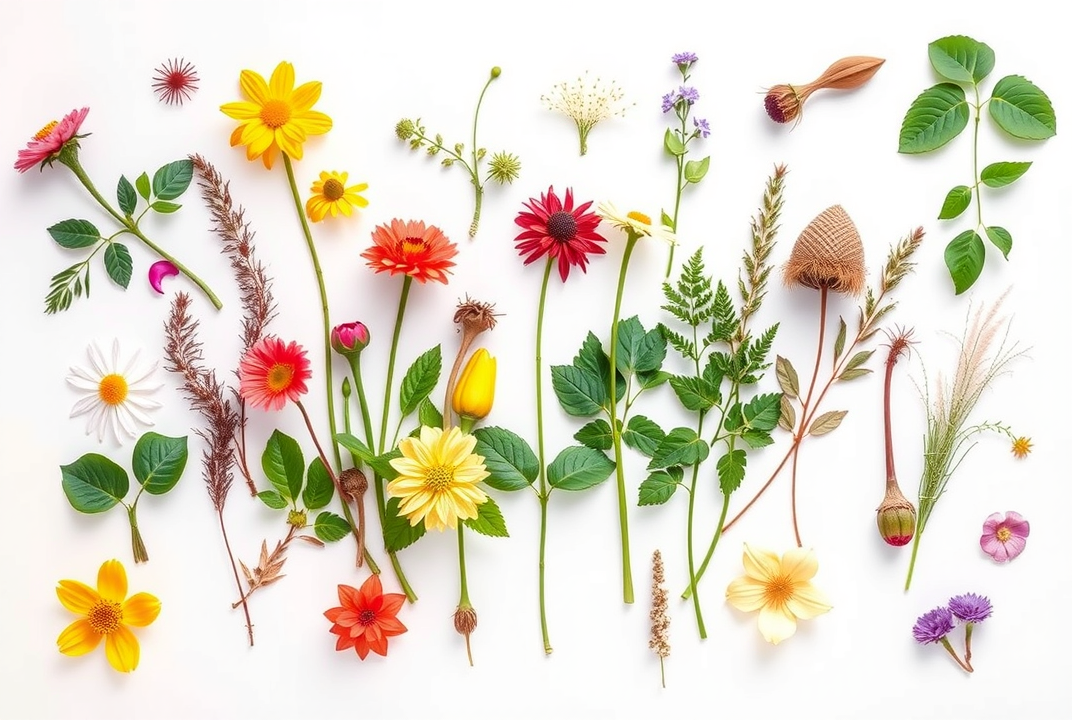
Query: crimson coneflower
{"type": "Point", "coordinates": [175, 81]}
{"type": "Point", "coordinates": [411, 248]}
{"type": "Point", "coordinates": [555, 228]}
{"type": "Point", "coordinates": [273, 372]}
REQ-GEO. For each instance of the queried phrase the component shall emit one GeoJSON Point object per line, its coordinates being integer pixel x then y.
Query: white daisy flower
{"type": "Point", "coordinates": [636, 223]}
{"type": "Point", "coordinates": [115, 395]}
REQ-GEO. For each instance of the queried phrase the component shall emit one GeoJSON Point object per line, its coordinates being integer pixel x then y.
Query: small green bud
{"type": "Point", "coordinates": [496, 72]}
{"type": "Point", "coordinates": [297, 518]}
{"type": "Point", "coordinates": [405, 129]}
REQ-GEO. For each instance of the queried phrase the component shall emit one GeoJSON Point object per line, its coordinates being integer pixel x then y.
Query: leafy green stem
{"type": "Point", "coordinates": [544, 493]}
{"type": "Point", "coordinates": [975, 157]}
{"type": "Point", "coordinates": [479, 187]}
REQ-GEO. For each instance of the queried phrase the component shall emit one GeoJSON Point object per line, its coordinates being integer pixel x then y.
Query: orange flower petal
{"type": "Point", "coordinates": [141, 609]}
{"type": "Point", "coordinates": [76, 596]}
{"type": "Point", "coordinates": [122, 649]}
{"type": "Point", "coordinates": [78, 638]}
{"type": "Point", "coordinates": [112, 581]}
{"type": "Point", "coordinates": [254, 87]}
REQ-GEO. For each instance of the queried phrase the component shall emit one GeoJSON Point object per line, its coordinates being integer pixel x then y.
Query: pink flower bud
{"type": "Point", "coordinates": [350, 338]}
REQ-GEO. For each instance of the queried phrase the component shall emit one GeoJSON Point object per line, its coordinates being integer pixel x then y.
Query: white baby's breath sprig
{"type": "Point", "coordinates": [587, 102]}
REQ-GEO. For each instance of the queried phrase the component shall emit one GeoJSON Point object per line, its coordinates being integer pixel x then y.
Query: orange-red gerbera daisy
{"type": "Point", "coordinates": [273, 372]}
{"type": "Point", "coordinates": [366, 618]}
{"type": "Point", "coordinates": [555, 228]}
{"type": "Point", "coordinates": [411, 248]}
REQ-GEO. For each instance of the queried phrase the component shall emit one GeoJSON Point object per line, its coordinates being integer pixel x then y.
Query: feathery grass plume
{"type": "Point", "coordinates": [756, 263]}
{"type": "Point", "coordinates": [660, 621]}
{"type": "Point", "coordinates": [254, 285]}
{"type": "Point", "coordinates": [985, 353]}
{"type": "Point", "coordinates": [586, 102]}
{"type": "Point", "coordinates": [207, 396]}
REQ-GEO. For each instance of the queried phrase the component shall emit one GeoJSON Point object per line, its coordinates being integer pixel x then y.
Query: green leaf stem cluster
{"type": "Point", "coordinates": [1017, 107]}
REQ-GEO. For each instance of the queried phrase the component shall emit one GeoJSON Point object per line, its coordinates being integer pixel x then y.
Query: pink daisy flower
{"type": "Point", "coordinates": [46, 144]}
{"type": "Point", "coordinates": [273, 372]}
{"type": "Point", "coordinates": [1004, 536]}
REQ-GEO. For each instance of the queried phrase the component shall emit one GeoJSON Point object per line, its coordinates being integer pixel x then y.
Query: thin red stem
{"type": "Point", "coordinates": [804, 409]}
{"type": "Point", "coordinates": [238, 580]}
{"type": "Point", "coordinates": [241, 448]}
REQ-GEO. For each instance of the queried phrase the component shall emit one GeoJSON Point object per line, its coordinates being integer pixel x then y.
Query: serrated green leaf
{"type": "Point", "coordinates": [1000, 174]}
{"type": "Point", "coordinates": [578, 468]}
{"type": "Point", "coordinates": [428, 414]}
{"type": "Point", "coordinates": [74, 234]}
{"type": "Point", "coordinates": [696, 169]}
{"type": "Point", "coordinates": [579, 391]}
{"type": "Point", "coordinates": [839, 343]}
{"type": "Point", "coordinates": [381, 464]}
{"type": "Point", "coordinates": [787, 376]}
{"type": "Point", "coordinates": [787, 417]}
{"type": "Point", "coordinates": [164, 207]}
{"type": "Point", "coordinates": [734, 418]}
{"type": "Point", "coordinates": [93, 483]}
{"type": "Point", "coordinates": [596, 435]}
{"type": "Point", "coordinates": [731, 468]}
{"type": "Point", "coordinates": [854, 373]}
{"type": "Point", "coordinates": [420, 380]}
{"type": "Point", "coordinates": [956, 201]}
{"type": "Point", "coordinates": [964, 256]}
{"type": "Point", "coordinates": [284, 465]}
{"type": "Point", "coordinates": [126, 196]}
{"type": "Point", "coordinates": [961, 59]}
{"type": "Point", "coordinates": [319, 489]}
{"type": "Point", "coordinates": [673, 143]}
{"type": "Point", "coordinates": [329, 527]}
{"type": "Point", "coordinates": [937, 116]}
{"type": "Point", "coordinates": [272, 499]}
{"type": "Point", "coordinates": [660, 486]}
{"type": "Point", "coordinates": [827, 422]}
{"type": "Point", "coordinates": [171, 181]}
{"type": "Point", "coordinates": [489, 520]}
{"type": "Point", "coordinates": [142, 185]}
{"type": "Point", "coordinates": [398, 534]}
{"type": "Point", "coordinates": [762, 411]}
{"type": "Point", "coordinates": [1001, 238]}
{"type": "Point", "coordinates": [159, 461]}
{"type": "Point", "coordinates": [681, 446]}
{"type": "Point", "coordinates": [757, 438]}
{"type": "Point", "coordinates": [630, 335]}
{"type": "Point", "coordinates": [509, 459]}
{"type": "Point", "coordinates": [651, 352]}
{"type": "Point", "coordinates": [859, 359]}
{"type": "Point", "coordinates": [1021, 109]}
{"type": "Point", "coordinates": [643, 435]}
{"type": "Point", "coordinates": [695, 393]}
{"type": "Point", "coordinates": [118, 263]}
{"type": "Point", "coordinates": [649, 380]}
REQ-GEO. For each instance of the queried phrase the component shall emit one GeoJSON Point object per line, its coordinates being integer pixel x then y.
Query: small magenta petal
{"type": "Point", "coordinates": [1014, 546]}
{"type": "Point", "coordinates": [160, 270]}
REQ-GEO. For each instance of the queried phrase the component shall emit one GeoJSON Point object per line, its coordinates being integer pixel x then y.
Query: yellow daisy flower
{"type": "Point", "coordinates": [277, 116]}
{"type": "Point", "coordinates": [437, 478]}
{"type": "Point", "coordinates": [634, 222]}
{"type": "Point", "coordinates": [330, 194]}
{"type": "Point", "coordinates": [106, 611]}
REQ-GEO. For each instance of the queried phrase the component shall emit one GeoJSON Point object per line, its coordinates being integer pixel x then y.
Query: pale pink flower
{"type": "Point", "coordinates": [1004, 536]}
{"type": "Point", "coordinates": [48, 141]}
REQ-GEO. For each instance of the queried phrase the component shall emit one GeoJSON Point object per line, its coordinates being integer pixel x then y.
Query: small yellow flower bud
{"type": "Point", "coordinates": [475, 391]}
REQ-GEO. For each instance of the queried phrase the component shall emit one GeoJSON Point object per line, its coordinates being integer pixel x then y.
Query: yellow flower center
{"type": "Point", "coordinates": [279, 377]}
{"type": "Point", "coordinates": [639, 217]}
{"type": "Point", "coordinates": [333, 189]}
{"type": "Point", "coordinates": [105, 617]}
{"type": "Point", "coordinates": [45, 131]}
{"type": "Point", "coordinates": [413, 245]}
{"type": "Point", "coordinates": [275, 113]}
{"type": "Point", "coordinates": [112, 389]}
{"type": "Point", "coordinates": [1004, 534]}
{"type": "Point", "coordinates": [439, 478]}
{"type": "Point", "coordinates": [778, 590]}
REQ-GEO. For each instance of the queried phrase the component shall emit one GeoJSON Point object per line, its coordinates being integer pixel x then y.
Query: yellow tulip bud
{"type": "Point", "coordinates": [475, 391]}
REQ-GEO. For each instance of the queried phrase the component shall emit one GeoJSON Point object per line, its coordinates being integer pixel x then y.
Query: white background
{"type": "Point", "coordinates": [382, 61]}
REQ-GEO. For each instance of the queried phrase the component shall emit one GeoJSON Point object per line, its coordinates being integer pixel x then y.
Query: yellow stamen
{"type": "Point", "coordinates": [439, 478]}
{"type": "Point", "coordinates": [413, 245]}
{"type": "Point", "coordinates": [45, 131]}
{"type": "Point", "coordinates": [639, 217]}
{"type": "Point", "coordinates": [105, 617]}
{"type": "Point", "coordinates": [778, 590]}
{"type": "Point", "coordinates": [279, 377]}
{"type": "Point", "coordinates": [1004, 534]}
{"type": "Point", "coordinates": [275, 113]}
{"type": "Point", "coordinates": [112, 389]}
{"type": "Point", "coordinates": [333, 189]}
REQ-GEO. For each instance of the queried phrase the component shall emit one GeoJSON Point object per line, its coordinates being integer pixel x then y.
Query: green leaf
{"type": "Point", "coordinates": [488, 521]}
{"type": "Point", "coordinates": [1000, 174]}
{"type": "Point", "coordinates": [355, 446]}
{"type": "Point", "coordinates": [159, 461]}
{"type": "Point", "coordinates": [579, 391]}
{"type": "Point", "coordinates": [734, 418]}
{"type": "Point", "coordinates": [578, 468]}
{"type": "Point", "coordinates": [124, 193]}
{"type": "Point", "coordinates": [651, 352]}
{"type": "Point", "coordinates": [731, 467]}
{"type": "Point", "coordinates": [118, 263]}
{"type": "Point", "coordinates": [284, 465]}
{"type": "Point", "coordinates": [961, 59]}
{"type": "Point", "coordinates": [854, 373]}
{"type": "Point", "coordinates": [757, 438]}
{"type": "Point", "coordinates": [591, 357]}
{"type": "Point", "coordinates": [964, 256]}
{"type": "Point", "coordinates": [762, 411]}
{"type": "Point", "coordinates": [696, 394]}
{"type": "Point", "coordinates": [397, 532]}
{"type": "Point", "coordinates": [428, 414]}
{"type": "Point", "coordinates": [420, 380]}
{"type": "Point", "coordinates": [839, 343]}
{"type": "Point", "coordinates": [660, 486]}
{"type": "Point", "coordinates": [649, 380]}
{"type": "Point", "coordinates": [74, 234]}
{"type": "Point", "coordinates": [329, 527]}
{"type": "Point", "coordinates": [272, 499]}
{"type": "Point", "coordinates": [681, 446]}
{"type": "Point", "coordinates": [381, 464]}
{"type": "Point", "coordinates": [787, 376]}
{"type": "Point", "coordinates": [142, 184]}
{"type": "Point", "coordinates": [827, 422]}
{"type": "Point", "coordinates": [668, 221]}
{"type": "Point", "coordinates": [696, 169]}
{"type": "Point", "coordinates": [93, 483]}
{"type": "Point", "coordinates": [1022, 109]}
{"type": "Point", "coordinates": [509, 459]}
{"type": "Point", "coordinates": [319, 489]}
{"type": "Point", "coordinates": [171, 181]}
{"type": "Point", "coordinates": [859, 359]}
{"type": "Point", "coordinates": [596, 435]}
{"type": "Point", "coordinates": [956, 201]}
{"type": "Point", "coordinates": [673, 143]}
{"type": "Point", "coordinates": [164, 207]}
{"type": "Point", "coordinates": [630, 335]}
{"type": "Point", "coordinates": [642, 435]}
{"type": "Point", "coordinates": [787, 419]}
{"type": "Point", "coordinates": [937, 116]}
{"type": "Point", "coordinates": [1001, 238]}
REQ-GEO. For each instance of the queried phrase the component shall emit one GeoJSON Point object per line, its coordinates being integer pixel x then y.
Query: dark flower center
{"type": "Point", "coordinates": [562, 226]}
{"type": "Point", "coordinates": [333, 189]}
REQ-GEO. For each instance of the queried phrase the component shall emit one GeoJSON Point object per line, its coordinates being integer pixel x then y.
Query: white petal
{"type": "Point", "coordinates": [96, 419]}
{"type": "Point", "coordinates": [141, 402]}
{"type": "Point", "coordinates": [89, 402]}
{"type": "Point", "coordinates": [83, 383]}
{"type": "Point", "coordinates": [141, 375]}
{"type": "Point", "coordinates": [115, 424]}
{"type": "Point", "coordinates": [84, 374]}
{"type": "Point", "coordinates": [126, 420]}
{"type": "Point", "coordinates": [130, 363]}
{"type": "Point", "coordinates": [128, 410]}
{"type": "Point", "coordinates": [96, 359]}
{"type": "Point", "coordinates": [115, 356]}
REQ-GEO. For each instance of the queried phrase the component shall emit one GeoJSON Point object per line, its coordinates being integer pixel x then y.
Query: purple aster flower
{"type": "Point", "coordinates": [688, 94]}
{"type": "Point", "coordinates": [685, 58]}
{"type": "Point", "coordinates": [933, 626]}
{"type": "Point", "coordinates": [971, 607]}
{"type": "Point", "coordinates": [702, 126]}
{"type": "Point", "coordinates": [669, 100]}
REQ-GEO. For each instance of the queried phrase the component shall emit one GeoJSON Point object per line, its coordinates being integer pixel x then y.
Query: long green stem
{"type": "Point", "coordinates": [680, 186]}
{"type": "Point", "coordinates": [619, 471]}
{"type": "Point", "coordinates": [975, 160]}
{"type": "Point", "coordinates": [463, 599]}
{"type": "Point", "coordinates": [328, 383]}
{"type": "Point", "coordinates": [544, 494]}
{"type": "Point", "coordinates": [688, 530]}
{"type": "Point", "coordinates": [912, 560]}
{"type": "Point", "coordinates": [479, 187]}
{"type": "Point", "coordinates": [695, 578]}
{"type": "Point", "coordinates": [355, 461]}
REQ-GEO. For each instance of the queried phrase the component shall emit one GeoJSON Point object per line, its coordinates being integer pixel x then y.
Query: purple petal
{"type": "Point", "coordinates": [160, 270]}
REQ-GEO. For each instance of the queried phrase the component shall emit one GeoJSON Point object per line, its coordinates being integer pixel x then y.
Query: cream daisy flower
{"type": "Point", "coordinates": [634, 222]}
{"type": "Point", "coordinates": [115, 395]}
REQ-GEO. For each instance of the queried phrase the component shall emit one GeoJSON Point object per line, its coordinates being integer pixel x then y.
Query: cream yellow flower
{"type": "Point", "coordinates": [780, 589]}
{"type": "Point", "coordinates": [331, 195]}
{"type": "Point", "coordinates": [634, 222]}
{"type": "Point", "coordinates": [106, 611]}
{"type": "Point", "coordinates": [277, 116]}
{"type": "Point", "coordinates": [437, 478]}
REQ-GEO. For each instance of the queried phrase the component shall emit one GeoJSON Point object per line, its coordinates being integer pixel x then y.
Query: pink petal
{"type": "Point", "coordinates": [160, 270]}
{"type": "Point", "coordinates": [993, 547]}
{"type": "Point", "coordinates": [1017, 525]}
{"type": "Point", "coordinates": [1014, 546]}
{"type": "Point", "coordinates": [990, 525]}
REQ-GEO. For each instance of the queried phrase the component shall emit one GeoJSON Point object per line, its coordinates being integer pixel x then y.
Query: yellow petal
{"type": "Point", "coordinates": [112, 581]}
{"type": "Point", "coordinates": [241, 110]}
{"type": "Point", "coordinates": [289, 138]}
{"type": "Point", "coordinates": [76, 596]}
{"type": "Point", "coordinates": [760, 564]}
{"type": "Point", "coordinates": [254, 87]}
{"type": "Point", "coordinates": [141, 609]}
{"type": "Point", "coordinates": [776, 624]}
{"type": "Point", "coordinates": [800, 565]}
{"type": "Point", "coordinates": [306, 96]}
{"type": "Point", "coordinates": [236, 135]}
{"type": "Point", "coordinates": [356, 199]}
{"type": "Point", "coordinates": [254, 131]}
{"type": "Point", "coordinates": [269, 156]}
{"type": "Point", "coordinates": [807, 602]}
{"type": "Point", "coordinates": [78, 638]}
{"type": "Point", "coordinates": [312, 122]}
{"type": "Point", "coordinates": [258, 141]}
{"type": "Point", "coordinates": [282, 82]}
{"type": "Point", "coordinates": [343, 206]}
{"type": "Point", "coordinates": [746, 594]}
{"type": "Point", "coordinates": [122, 649]}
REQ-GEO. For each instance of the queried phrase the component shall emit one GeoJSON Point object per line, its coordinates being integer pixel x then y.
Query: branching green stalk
{"type": "Point", "coordinates": [544, 492]}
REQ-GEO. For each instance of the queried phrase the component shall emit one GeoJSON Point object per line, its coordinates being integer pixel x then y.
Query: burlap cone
{"type": "Point", "coordinates": [829, 253]}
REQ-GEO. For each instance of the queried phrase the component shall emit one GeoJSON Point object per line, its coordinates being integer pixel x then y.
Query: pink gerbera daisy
{"type": "Point", "coordinates": [557, 229]}
{"type": "Point", "coordinates": [273, 372]}
{"type": "Point", "coordinates": [45, 146]}
{"type": "Point", "coordinates": [1004, 536]}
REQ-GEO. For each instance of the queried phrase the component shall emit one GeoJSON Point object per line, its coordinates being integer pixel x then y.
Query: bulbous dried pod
{"type": "Point", "coordinates": [849, 73]}
{"type": "Point", "coordinates": [896, 517]}
{"type": "Point", "coordinates": [828, 254]}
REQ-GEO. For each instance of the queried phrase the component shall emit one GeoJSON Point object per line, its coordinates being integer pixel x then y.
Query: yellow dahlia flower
{"type": "Point", "coordinates": [330, 194]}
{"type": "Point", "coordinates": [277, 116]}
{"type": "Point", "coordinates": [437, 478]}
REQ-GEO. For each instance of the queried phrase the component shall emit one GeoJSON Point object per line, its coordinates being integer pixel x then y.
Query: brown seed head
{"type": "Point", "coordinates": [353, 483]}
{"type": "Point", "coordinates": [783, 103]}
{"type": "Point", "coordinates": [828, 254]}
{"type": "Point", "coordinates": [475, 317]}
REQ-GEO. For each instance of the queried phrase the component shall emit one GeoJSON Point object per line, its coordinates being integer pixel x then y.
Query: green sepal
{"type": "Point", "coordinates": [159, 461]}
{"type": "Point", "coordinates": [93, 483]}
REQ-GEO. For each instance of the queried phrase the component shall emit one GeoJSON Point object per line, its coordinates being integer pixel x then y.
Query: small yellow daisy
{"type": "Point", "coordinates": [330, 194]}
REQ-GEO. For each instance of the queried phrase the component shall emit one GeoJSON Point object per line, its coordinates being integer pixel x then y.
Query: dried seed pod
{"type": "Point", "coordinates": [786, 102]}
{"type": "Point", "coordinates": [829, 253]}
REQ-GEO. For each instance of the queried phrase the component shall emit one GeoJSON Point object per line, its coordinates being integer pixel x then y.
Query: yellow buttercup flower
{"type": "Point", "coordinates": [277, 116]}
{"type": "Point", "coordinates": [106, 611]}
{"type": "Point", "coordinates": [475, 392]}
{"type": "Point", "coordinates": [330, 194]}
{"type": "Point", "coordinates": [437, 478]}
{"type": "Point", "coordinates": [780, 588]}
